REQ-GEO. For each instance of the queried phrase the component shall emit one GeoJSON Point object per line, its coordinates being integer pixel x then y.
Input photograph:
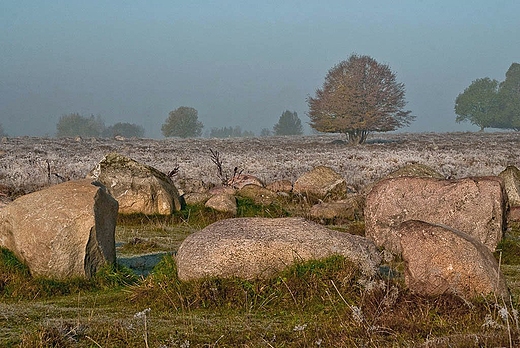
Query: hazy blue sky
{"type": "Point", "coordinates": [238, 62]}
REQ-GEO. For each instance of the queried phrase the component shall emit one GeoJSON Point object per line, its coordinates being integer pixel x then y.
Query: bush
{"type": "Point", "coordinates": [73, 125]}
{"type": "Point", "coordinates": [182, 122]}
{"type": "Point", "coordinates": [124, 129]}
{"type": "Point", "coordinates": [229, 132]}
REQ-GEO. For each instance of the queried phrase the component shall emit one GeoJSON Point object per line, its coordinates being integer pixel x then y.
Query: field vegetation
{"type": "Point", "coordinates": [326, 303]}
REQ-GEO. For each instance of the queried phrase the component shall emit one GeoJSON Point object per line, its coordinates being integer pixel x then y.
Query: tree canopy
{"type": "Point", "coordinates": [124, 129]}
{"type": "Point", "coordinates": [229, 132]}
{"type": "Point", "coordinates": [74, 124]}
{"type": "Point", "coordinates": [359, 96]}
{"type": "Point", "coordinates": [182, 122]}
{"type": "Point", "coordinates": [478, 104]}
{"type": "Point", "coordinates": [288, 124]}
{"type": "Point", "coordinates": [509, 97]}
{"type": "Point", "coordinates": [489, 104]}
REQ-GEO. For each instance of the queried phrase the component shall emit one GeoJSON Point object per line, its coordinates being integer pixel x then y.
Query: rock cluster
{"type": "Point", "coordinates": [321, 186]}
{"type": "Point", "coordinates": [445, 230]}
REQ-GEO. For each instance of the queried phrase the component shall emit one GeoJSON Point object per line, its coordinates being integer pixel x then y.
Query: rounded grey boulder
{"type": "Point", "coordinates": [258, 247]}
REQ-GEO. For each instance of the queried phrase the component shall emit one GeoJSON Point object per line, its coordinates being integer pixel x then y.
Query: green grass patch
{"type": "Point", "coordinates": [508, 251]}
{"type": "Point", "coordinates": [298, 285]}
{"type": "Point", "coordinates": [246, 207]}
{"type": "Point", "coordinates": [16, 282]}
{"type": "Point", "coordinates": [324, 303]}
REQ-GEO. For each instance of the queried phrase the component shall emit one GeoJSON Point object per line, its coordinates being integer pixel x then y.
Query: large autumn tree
{"type": "Point", "coordinates": [182, 122]}
{"type": "Point", "coordinates": [359, 96]}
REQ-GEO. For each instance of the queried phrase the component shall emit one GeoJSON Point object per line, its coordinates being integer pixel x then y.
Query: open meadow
{"type": "Point", "coordinates": [327, 303]}
{"type": "Point", "coordinates": [27, 162]}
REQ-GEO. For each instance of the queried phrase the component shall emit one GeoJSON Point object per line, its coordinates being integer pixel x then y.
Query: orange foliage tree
{"type": "Point", "coordinates": [359, 96]}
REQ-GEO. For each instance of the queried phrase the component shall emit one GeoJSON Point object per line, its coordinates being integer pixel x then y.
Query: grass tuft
{"type": "Point", "coordinates": [16, 282]}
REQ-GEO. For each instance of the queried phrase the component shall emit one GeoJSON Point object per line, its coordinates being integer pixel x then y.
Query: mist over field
{"type": "Point", "coordinates": [238, 63]}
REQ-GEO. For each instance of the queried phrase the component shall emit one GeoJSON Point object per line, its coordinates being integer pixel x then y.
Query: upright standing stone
{"type": "Point", "coordinates": [63, 231]}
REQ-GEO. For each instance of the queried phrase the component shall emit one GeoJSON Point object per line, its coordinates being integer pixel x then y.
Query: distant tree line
{"type": "Point", "coordinates": [183, 122]}
{"type": "Point", "coordinates": [74, 124]}
{"type": "Point", "coordinates": [487, 103]}
{"type": "Point", "coordinates": [230, 132]}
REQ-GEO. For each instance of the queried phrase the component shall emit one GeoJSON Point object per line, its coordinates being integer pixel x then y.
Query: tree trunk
{"type": "Point", "coordinates": [356, 136]}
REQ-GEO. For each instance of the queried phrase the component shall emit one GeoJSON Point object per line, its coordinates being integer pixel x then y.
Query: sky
{"type": "Point", "coordinates": [239, 63]}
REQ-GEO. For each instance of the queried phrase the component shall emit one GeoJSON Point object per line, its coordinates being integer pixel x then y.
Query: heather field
{"type": "Point", "coordinates": [27, 163]}
{"type": "Point", "coordinates": [326, 303]}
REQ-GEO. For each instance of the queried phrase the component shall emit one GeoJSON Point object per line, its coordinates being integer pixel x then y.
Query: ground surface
{"type": "Point", "coordinates": [107, 317]}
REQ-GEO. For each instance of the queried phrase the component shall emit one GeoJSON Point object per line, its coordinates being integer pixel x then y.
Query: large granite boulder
{"type": "Point", "coordinates": [472, 205]}
{"type": "Point", "coordinates": [258, 247]}
{"type": "Point", "coordinates": [63, 231]}
{"type": "Point", "coordinates": [321, 182]}
{"type": "Point", "coordinates": [441, 260]}
{"type": "Point", "coordinates": [511, 177]}
{"type": "Point", "coordinates": [137, 187]}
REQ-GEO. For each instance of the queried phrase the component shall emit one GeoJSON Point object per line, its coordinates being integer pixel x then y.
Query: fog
{"type": "Point", "coordinates": [239, 63]}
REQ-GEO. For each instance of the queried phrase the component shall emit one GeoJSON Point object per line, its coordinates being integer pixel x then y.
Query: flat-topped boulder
{"type": "Point", "coordinates": [258, 247]}
{"type": "Point", "coordinates": [66, 230]}
{"type": "Point", "coordinates": [223, 202]}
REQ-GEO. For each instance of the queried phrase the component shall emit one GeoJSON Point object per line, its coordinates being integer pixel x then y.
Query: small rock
{"type": "Point", "coordinates": [223, 202]}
